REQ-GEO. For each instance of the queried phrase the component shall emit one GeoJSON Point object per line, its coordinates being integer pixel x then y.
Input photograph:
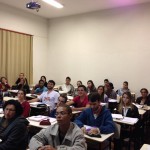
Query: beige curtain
{"type": "Point", "coordinates": [16, 55]}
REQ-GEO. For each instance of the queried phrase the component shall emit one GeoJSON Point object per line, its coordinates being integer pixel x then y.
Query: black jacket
{"type": "Point", "coordinates": [15, 136]}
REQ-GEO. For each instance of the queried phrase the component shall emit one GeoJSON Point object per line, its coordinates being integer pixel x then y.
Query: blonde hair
{"type": "Point", "coordinates": [122, 103]}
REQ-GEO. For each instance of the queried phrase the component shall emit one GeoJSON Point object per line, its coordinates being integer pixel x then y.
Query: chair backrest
{"type": "Point", "coordinates": [117, 130]}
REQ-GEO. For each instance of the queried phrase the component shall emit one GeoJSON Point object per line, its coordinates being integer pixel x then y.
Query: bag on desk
{"type": "Point", "coordinates": [45, 122]}
{"type": "Point", "coordinates": [34, 96]}
{"type": "Point", "coordinates": [42, 105]}
{"type": "Point", "coordinates": [94, 135]}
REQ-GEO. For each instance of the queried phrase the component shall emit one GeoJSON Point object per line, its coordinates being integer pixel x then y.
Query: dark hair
{"type": "Point", "coordinates": [52, 81]}
{"type": "Point", "coordinates": [144, 89]}
{"type": "Point", "coordinates": [64, 96]}
{"type": "Point", "coordinates": [2, 78]}
{"type": "Point", "coordinates": [111, 85]}
{"type": "Point", "coordinates": [93, 97]}
{"type": "Point", "coordinates": [83, 86]}
{"type": "Point", "coordinates": [41, 81]}
{"type": "Point", "coordinates": [68, 78]}
{"type": "Point", "coordinates": [126, 82]}
{"type": "Point", "coordinates": [68, 108]}
{"type": "Point", "coordinates": [93, 86]}
{"type": "Point", "coordinates": [80, 82]}
{"type": "Point", "coordinates": [18, 106]}
{"type": "Point", "coordinates": [24, 91]}
{"type": "Point", "coordinates": [106, 80]}
{"type": "Point", "coordinates": [101, 87]}
{"type": "Point", "coordinates": [43, 77]}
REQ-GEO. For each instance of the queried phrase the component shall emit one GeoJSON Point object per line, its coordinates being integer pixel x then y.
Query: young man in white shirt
{"type": "Point", "coordinates": [49, 97]}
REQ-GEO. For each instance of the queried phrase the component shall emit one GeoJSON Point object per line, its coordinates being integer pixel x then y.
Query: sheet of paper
{"type": "Point", "coordinates": [130, 120]}
{"type": "Point", "coordinates": [112, 100]}
{"type": "Point", "coordinates": [117, 116]}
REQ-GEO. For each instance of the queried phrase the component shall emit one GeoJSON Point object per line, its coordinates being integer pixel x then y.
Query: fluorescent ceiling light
{"type": "Point", "coordinates": [54, 3]}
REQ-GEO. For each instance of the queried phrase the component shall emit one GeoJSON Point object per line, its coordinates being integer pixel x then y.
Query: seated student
{"type": "Point", "coordinates": [127, 109]}
{"type": "Point", "coordinates": [96, 116]}
{"type": "Point", "coordinates": [25, 104]}
{"type": "Point", "coordinates": [40, 89]}
{"type": "Point", "coordinates": [13, 127]}
{"type": "Point", "coordinates": [106, 81]}
{"type": "Point", "coordinates": [76, 89]}
{"type": "Point", "coordinates": [23, 85]}
{"type": "Point", "coordinates": [144, 99]}
{"type": "Point", "coordinates": [4, 86]}
{"type": "Point", "coordinates": [103, 96]}
{"type": "Point", "coordinates": [123, 89]}
{"type": "Point", "coordinates": [64, 135]}
{"type": "Point", "coordinates": [81, 101]}
{"type": "Point", "coordinates": [49, 97]}
{"type": "Point", "coordinates": [110, 92]}
{"type": "Point", "coordinates": [61, 100]}
{"type": "Point", "coordinates": [37, 85]}
{"type": "Point", "coordinates": [68, 87]}
{"type": "Point", "coordinates": [21, 76]}
{"type": "Point", "coordinates": [91, 87]}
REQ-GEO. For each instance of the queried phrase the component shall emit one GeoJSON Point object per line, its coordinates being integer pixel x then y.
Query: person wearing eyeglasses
{"type": "Point", "coordinates": [64, 135]}
{"type": "Point", "coordinates": [81, 101]}
{"type": "Point", "coordinates": [13, 127]}
{"type": "Point", "coordinates": [62, 99]}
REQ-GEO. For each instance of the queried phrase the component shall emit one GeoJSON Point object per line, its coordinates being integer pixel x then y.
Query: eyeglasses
{"type": "Point", "coordinates": [60, 113]}
{"type": "Point", "coordinates": [7, 109]}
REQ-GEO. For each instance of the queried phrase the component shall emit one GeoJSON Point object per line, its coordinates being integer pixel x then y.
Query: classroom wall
{"type": "Point", "coordinates": [17, 20]}
{"type": "Point", "coordinates": [111, 44]}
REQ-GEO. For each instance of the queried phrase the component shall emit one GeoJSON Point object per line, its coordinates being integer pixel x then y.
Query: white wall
{"type": "Point", "coordinates": [111, 44]}
{"type": "Point", "coordinates": [16, 20]}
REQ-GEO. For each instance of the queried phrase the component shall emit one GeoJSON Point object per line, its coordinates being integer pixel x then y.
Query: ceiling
{"type": "Point", "coordinates": [71, 7]}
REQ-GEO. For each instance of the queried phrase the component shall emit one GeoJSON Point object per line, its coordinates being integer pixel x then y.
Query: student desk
{"type": "Point", "coordinates": [145, 147]}
{"type": "Point", "coordinates": [13, 92]}
{"type": "Point", "coordinates": [31, 96]}
{"type": "Point", "coordinates": [37, 123]}
{"type": "Point", "coordinates": [69, 98]}
{"type": "Point", "coordinates": [127, 121]}
{"type": "Point", "coordinates": [9, 98]}
{"type": "Point", "coordinates": [92, 139]}
{"type": "Point", "coordinates": [100, 141]}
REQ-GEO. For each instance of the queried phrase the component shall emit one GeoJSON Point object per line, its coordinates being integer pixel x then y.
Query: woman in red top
{"type": "Point", "coordinates": [4, 86]}
{"type": "Point", "coordinates": [26, 107]}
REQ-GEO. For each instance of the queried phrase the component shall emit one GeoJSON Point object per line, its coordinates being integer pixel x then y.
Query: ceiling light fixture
{"type": "Point", "coordinates": [54, 3]}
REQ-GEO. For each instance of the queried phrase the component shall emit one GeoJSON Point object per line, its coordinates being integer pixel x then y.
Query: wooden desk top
{"type": "Point", "coordinates": [9, 98]}
{"type": "Point", "coordinates": [141, 111]}
{"type": "Point", "coordinates": [145, 147]}
{"type": "Point", "coordinates": [126, 120]}
{"type": "Point", "coordinates": [37, 123]}
{"type": "Point", "coordinates": [102, 139]}
{"type": "Point", "coordinates": [13, 91]}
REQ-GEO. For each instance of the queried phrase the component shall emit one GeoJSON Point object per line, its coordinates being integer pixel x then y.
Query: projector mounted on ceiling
{"type": "Point", "coordinates": [33, 5]}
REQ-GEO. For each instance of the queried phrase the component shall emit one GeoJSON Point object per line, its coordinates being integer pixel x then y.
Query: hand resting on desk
{"type": "Point", "coordinates": [94, 132]}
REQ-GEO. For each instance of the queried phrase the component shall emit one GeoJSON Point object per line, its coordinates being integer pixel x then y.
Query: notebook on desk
{"type": "Point", "coordinates": [117, 116]}
{"type": "Point", "coordinates": [40, 118]}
